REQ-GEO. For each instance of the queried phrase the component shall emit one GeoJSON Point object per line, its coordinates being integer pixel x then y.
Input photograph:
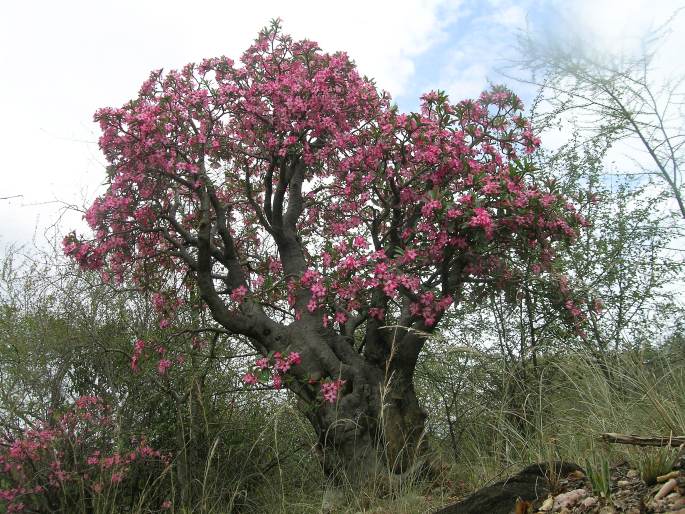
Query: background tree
{"type": "Point", "coordinates": [616, 98]}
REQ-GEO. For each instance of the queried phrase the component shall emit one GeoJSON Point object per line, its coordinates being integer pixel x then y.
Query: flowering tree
{"type": "Point", "coordinates": [322, 225]}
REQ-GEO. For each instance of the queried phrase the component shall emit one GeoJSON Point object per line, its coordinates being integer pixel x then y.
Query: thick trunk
{"type": "Point", "coordinates": [376, 429]}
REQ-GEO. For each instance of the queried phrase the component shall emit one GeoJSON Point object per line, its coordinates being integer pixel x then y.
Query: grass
{"type": "Point", "coordinates": [654, 462]}
{"type": "Point", "coordinates": [559, 418]}
{"type": "Point", "coordinates": [556, 416]}
{"type": "Point", "coordinates": [597, 467]}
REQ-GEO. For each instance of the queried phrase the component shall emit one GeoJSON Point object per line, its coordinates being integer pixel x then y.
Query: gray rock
{"type": "Point", "coordinates": [529, 484]}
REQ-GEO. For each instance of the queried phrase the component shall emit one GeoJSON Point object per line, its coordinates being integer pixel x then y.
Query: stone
{"type": "Point", "coordinates": [569, 499]}
{"type": "Point", "coordinates": [666, 489]}
{"type": "Point", "coordinates": [588, 503]}
{"type": "Point", "coordinates": [547, 505]}
{"type": "Point", "coordinates": [530, 484]}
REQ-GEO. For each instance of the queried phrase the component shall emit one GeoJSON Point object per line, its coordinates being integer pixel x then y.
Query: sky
{"type": "Point", "coordinates": [61, 61]}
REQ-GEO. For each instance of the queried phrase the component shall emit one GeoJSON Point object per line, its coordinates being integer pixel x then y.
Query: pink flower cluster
{"type": "Point", "coordinates": [330, 389]}
{"type": "Point", "coordinates": [138, 348]}
{"type": "Point", "coordinates": [272, 369]}
{"type": "Point", "coordinates": [56, 460]}
{"type": "Point", "coordinates": [482, 219]}
{"type": "Point", "coordinates": [164, 363]}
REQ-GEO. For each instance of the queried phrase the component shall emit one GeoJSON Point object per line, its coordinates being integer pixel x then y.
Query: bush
{"type": "Point", "coordinates": [72, 463]}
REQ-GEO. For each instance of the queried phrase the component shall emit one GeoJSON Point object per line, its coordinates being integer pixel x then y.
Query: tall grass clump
{"type": "Point", "coordinates": [493, 418]}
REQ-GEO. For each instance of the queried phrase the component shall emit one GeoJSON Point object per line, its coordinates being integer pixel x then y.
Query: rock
{"type": "Point", "coordinates": [667, 476]}
{"type": "Point", "coordinates": [588, 503]}
{"type": "Point", "coordinates": [607, 509]}
{"type": "Point", "coordinates": [529, 484]}
{"type": "Point", "coordinates": [569, 499]}
{"type": "Point", "coordinates": [547, 505]}
{"type": "Point", "coordinates": [666, 489]}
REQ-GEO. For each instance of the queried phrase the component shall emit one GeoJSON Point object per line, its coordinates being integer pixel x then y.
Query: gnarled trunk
{"type": "Point", "coordinates": [378, 432]}
{"type": "Point", "coordinates": [376, 427]}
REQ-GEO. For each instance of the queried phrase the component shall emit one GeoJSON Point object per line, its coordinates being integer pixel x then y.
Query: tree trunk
{"type": "Point", "coordinates": [375, 429]}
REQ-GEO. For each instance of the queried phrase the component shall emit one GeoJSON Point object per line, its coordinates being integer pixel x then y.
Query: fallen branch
{"type": "Point", "coordinates": [636, 440]}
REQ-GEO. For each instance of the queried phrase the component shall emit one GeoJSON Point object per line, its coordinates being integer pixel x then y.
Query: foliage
{"type": "Point", "coordinates": [221, 442]}
{"type": "Point", "coordinates": [73, 461]}
{"type": "Point", "coordinates": [598, 471]}
{"type": "Point", "coordinates": [655, 462]}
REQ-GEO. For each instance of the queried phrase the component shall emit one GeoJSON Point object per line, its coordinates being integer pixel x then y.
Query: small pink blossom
{"type": "Point", "coordinates": [330, 390]}
{"type": "Point", "coordinates": [238, 294]}
{"type": "Point", "coordinates": [282, 365]}
{"type": "Point", "coordinates": [163, 366]}
{"type": "Point", "coordinates": [249, 379]}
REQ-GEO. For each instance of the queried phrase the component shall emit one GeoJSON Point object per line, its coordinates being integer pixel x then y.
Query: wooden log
{"type": "Point", "coordinates": [637, 440]}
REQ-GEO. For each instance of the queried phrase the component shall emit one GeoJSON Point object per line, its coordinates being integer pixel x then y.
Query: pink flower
{"type": "Point", "coordinates": [238, 294]}
{"type": "Point", "coordinates": [430, 206]}
{"type": "Point", "coordinates": [410, 255]}
{"type": "Point", "coordinates": [294, 358]}
{"type": "Point", "coordinates": [163, 366]}
{"type": "Point", "coordinates": [318, 290]}
{"type": "Point", "coordinates": [360, 242]}
{"type": "Point", "coordinates": [482, 219]}
{"type": "Point", "coordinates": [282, 365]}
{"type": "Point", "coordinates": [377, 313]}
{"type": "Point", "coordinates": [249, 379]}
{"type": "Point", "coordinates": [390, 286]}
{"type": "Point", "coordinates": [278, 381]}
{"type": "Point", "coordinates": [166, 505]}
{"type": "Point", "coordinates": [329, 390]}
